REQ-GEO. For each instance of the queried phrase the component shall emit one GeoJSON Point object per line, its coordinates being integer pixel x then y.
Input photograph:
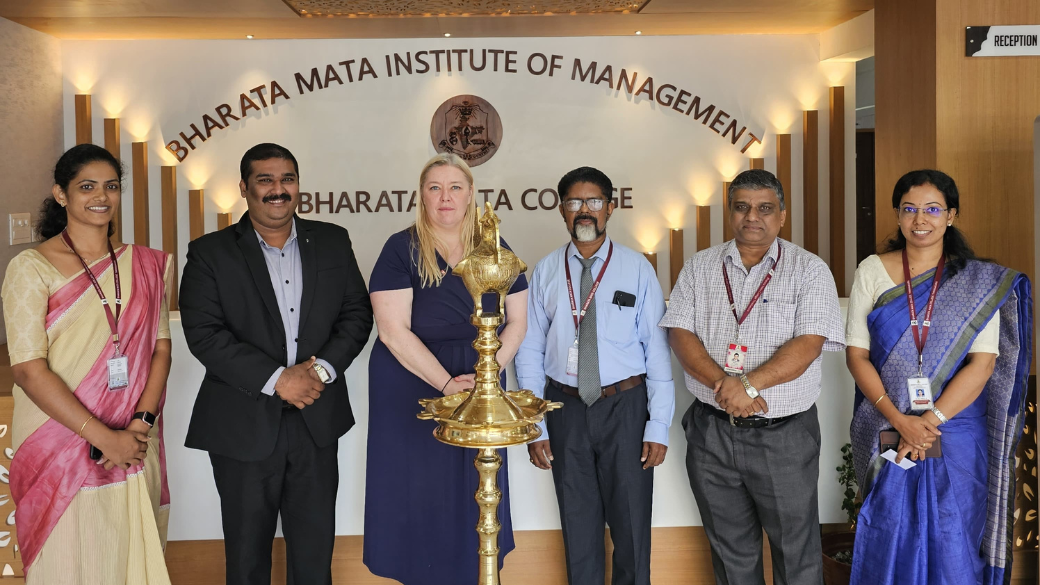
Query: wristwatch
{"type": "Point", "coordinates": [751, 390]}
{"type": "Point", "coordinates": [147, 417]}
{"type": "Point", "coordinates": [323, 374]}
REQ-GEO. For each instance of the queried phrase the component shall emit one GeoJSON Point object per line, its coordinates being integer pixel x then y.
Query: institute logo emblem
{"type": "Point", "coordinates": [467, 126]}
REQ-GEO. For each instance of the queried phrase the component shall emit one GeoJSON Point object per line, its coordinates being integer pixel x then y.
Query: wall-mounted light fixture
{"type": "Point", "coordinates": [675, 254]}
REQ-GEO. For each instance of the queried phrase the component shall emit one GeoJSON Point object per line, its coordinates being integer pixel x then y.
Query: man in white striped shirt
{"type": "Point", "coordinates": [748, 320]}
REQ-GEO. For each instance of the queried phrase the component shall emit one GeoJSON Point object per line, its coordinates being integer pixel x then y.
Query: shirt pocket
{"type": "Point", "coordinates": [620, 325]}
{"type": "Point", "coordinates": [779, 325]}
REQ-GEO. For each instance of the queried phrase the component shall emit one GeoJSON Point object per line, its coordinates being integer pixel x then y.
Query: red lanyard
{"type": "Point", "coordinates": [920, 337]}
{"type": "Point", "coordinates": [113, 321]}
{"type": "Point", "coordinates": [758, 293]}
{"type": "Point", "coordinates": [578, 318]}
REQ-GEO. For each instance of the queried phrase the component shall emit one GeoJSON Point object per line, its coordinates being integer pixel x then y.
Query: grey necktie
{"type": "Point", "coordinates": [589, 387]}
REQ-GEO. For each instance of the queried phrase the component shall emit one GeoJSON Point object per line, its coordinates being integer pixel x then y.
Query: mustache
{"type": "Point", "coordinates": [591, 218]}
{"type": "Point", "coordinates": [280, 197]}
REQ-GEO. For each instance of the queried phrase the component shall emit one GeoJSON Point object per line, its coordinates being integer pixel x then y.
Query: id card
{"type": "Point", "coordinates": [118, 373]}
{"type": "Point", "coordinates": [920, 391]}
{"type": "Point", "coordinates": [736, 356]}
{"type": "Point", "coordinates": [572, 359]}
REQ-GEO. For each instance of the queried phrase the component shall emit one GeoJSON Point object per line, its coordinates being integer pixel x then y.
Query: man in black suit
{"type": "Point", "coordinates": [276, 309]}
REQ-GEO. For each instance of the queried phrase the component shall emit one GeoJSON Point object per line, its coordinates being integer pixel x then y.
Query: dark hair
{"type": "Point", "coordinates": [756, 180]}
{"type": "Point", "coordinates": [53, 217]}
{"type": "Point", "coordinates": [586, 175]}
{"type": "Point", "coordinates": [955, 245]}
{"type": "Point", "coordinates": [265, 151]}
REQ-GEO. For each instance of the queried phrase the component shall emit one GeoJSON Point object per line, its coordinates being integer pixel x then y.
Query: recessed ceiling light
{"type": "Point", "coordinates": [639, 32]}
{"type": "Point", "coordinates": [447, 34]}
{"type": "Point", "coordinates": [249, 36]}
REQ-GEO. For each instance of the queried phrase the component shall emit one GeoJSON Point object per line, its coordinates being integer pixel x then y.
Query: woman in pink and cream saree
{"type": "Point", "coordinates": [88, 335]}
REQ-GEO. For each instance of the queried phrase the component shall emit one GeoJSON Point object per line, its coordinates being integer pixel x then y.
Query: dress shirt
{"type": "Point", "coordinates": [801, 299]}
{"type": "Point", "coordinates": [286, 271]}
{"type": "Point", "coordinates": [629, 341]}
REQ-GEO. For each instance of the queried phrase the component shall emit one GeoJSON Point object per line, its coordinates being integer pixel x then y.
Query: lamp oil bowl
{"type": "Point", "coordinates": [487, 417]}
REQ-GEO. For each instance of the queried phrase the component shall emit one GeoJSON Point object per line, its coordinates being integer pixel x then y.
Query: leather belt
{"type": "Point", "coordinates": [609, 390]}
{"type": "Point", "coordinates": [750, 422]}
{"type": "Point", "coordinates": [286, 405]}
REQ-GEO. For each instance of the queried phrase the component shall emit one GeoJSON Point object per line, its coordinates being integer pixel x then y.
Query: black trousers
{"type": "Point", "coordinates": [298, 480]}
{"type": "Point", "coordinates": [600, 479]}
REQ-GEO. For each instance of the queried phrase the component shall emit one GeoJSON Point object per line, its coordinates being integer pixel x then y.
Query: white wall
{"type": "Point", "coordinates": [30, 116]}
{"type": "Point", "coordinates": [373, 135]}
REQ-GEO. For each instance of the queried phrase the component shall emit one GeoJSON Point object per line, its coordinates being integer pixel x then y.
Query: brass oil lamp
{"type": "Point", "coordinates": [488, 417]}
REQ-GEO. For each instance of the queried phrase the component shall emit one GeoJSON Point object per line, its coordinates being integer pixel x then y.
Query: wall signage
{"type": "Point", "coordinates": [1002, 41]}
{"type": "Point", "coordinates": [467, 126]}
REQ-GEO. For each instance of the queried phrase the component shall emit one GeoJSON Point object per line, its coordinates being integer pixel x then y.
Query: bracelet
{"type": "Point", "coordinates": [81, 429]}
{"type": "Point", "coordinates": [939, 415]}
{"type": "Point", "coordinates": [445, 386]}
{"type": "Point", "coordinates": [876, 402]}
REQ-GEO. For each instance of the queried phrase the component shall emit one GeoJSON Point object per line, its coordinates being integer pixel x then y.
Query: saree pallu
{"type": "Point", "coordinates": [948, 520]}
{"type": "Point", "coordinates": [76, 522]}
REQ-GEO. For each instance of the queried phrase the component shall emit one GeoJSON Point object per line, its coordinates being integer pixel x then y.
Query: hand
{"type": "Point", "coordinates": [732, 398]}
{"type": "Point", "coordinates": [460, 383]}
{"type": "Point", "coordinates": [907, 450]}
{"type": "Point", "coordinates": [916, 431]}
{"type": "Point", "coordinates": [123, 449]}
{"type": "Point", "coordinates": [299, 385]}
{"type": "Point", "coordinates": [139, 426]}
{"type": "Point", "coordinates": [541, 454]}
{"type": "Point", "coordinates": [653, 454]}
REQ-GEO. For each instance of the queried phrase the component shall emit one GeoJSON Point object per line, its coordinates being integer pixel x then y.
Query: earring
{"type": "Point", "coordinates": [949, 224]}
{"type": "Point", "coordinates": [61, 203]}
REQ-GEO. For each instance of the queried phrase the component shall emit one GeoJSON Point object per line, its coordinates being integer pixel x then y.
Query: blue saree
{"type": "Point", "coordinates": [948, 520]}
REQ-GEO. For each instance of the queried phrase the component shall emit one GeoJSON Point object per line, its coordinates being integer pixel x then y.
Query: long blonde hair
{"type": "Point", "coordinates": [424, 238]}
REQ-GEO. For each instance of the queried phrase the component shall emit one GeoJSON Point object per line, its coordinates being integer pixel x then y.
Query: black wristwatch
{"type": "Point", "coordinates": [147, 417]}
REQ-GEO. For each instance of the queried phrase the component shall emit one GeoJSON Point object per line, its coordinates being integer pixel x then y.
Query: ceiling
{"type": "Point", "coordinates": [316, 19]}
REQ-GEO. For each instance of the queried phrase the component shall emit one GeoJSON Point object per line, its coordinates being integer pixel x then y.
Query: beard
{"type": "Point", "coordinates": [585, 233]}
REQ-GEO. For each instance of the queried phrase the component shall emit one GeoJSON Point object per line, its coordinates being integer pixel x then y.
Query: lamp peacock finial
{"type": "Point", "coordinates": [489, 267]}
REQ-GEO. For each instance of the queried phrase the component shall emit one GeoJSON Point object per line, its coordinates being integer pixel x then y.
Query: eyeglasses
{"type": "Point", "coordinates": [573, 205]}
{"type": "Point", "coordinates": [911, 211]}
{"type": "Point", "coordinates": [742, 208]}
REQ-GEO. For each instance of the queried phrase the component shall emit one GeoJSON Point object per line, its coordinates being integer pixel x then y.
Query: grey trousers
{"type": "Point", "coordinates": [749, 479]}
{"type": "Point", "coordinates": [599, 479]}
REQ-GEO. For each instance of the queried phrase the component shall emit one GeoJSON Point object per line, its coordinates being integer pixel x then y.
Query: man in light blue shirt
{"type": "Point", "coordinates": [593, 344]}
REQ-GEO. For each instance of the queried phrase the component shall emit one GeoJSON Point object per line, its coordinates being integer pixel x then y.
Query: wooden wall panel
{"type": "Point", "coordinates": [168, 177]}
{"type": "Point", "coordinates": [758, 163]}
{"type": "Point", "coordinates": [985, 112]}
{"type": "Point", "coordinates": [223, 220]}
{"type": "Point", "coordinates": [675, 255]}
{"type": "Point", "coordinates": [113, 146]}
{"type": "Point", "coordinates": [783, 174]}
{"type": "Point", "coordinates": [84, 128]}
{"type": "Point", "coordinates": [727, 229]}
{"type": "Point", "coordinates": [905, 97]}
{"type": "Point", "coordinates": [142, 230]}
{"type": "Point", "coordinates": [196, 213]}
{"type": "Point", "coordinates": [837, 187]}
{"type": "Point", "coordinates": [703, 227]}
{"type": "Point", "coordinates": [811, 181]}
{"type": "Point", "coordinates": [651, 257]}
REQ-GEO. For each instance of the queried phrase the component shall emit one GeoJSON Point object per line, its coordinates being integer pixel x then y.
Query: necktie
{"type": "Point", "coordinates": [589, 387]}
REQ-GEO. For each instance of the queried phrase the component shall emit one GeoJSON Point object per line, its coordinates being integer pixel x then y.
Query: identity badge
{"type": "Point", "coordinates": [572, 359]}
{"type": "Point", "coordinates": [920, 391]}
{"type": "Point", "coordinates": [118, 373]}
{"type": "Point", "coordinates": [736, 356]}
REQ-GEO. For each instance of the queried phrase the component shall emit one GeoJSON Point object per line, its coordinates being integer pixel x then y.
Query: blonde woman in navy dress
{"type": "Point", "coordinates": [419, 509]}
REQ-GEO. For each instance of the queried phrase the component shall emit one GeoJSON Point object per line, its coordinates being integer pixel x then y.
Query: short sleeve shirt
{"type": "Point", "coordinates": [800, 299]}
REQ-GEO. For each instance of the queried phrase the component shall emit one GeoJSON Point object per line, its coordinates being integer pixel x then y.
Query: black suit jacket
{"type": "Point", "coordinates": [232, 325]}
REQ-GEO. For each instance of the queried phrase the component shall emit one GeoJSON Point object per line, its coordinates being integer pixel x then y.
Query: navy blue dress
{"type": "Point", "coordinates": [420, 516]}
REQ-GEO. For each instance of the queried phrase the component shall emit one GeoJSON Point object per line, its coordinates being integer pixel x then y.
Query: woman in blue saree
{"type": "Point", "coordinates": [946, 521]}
